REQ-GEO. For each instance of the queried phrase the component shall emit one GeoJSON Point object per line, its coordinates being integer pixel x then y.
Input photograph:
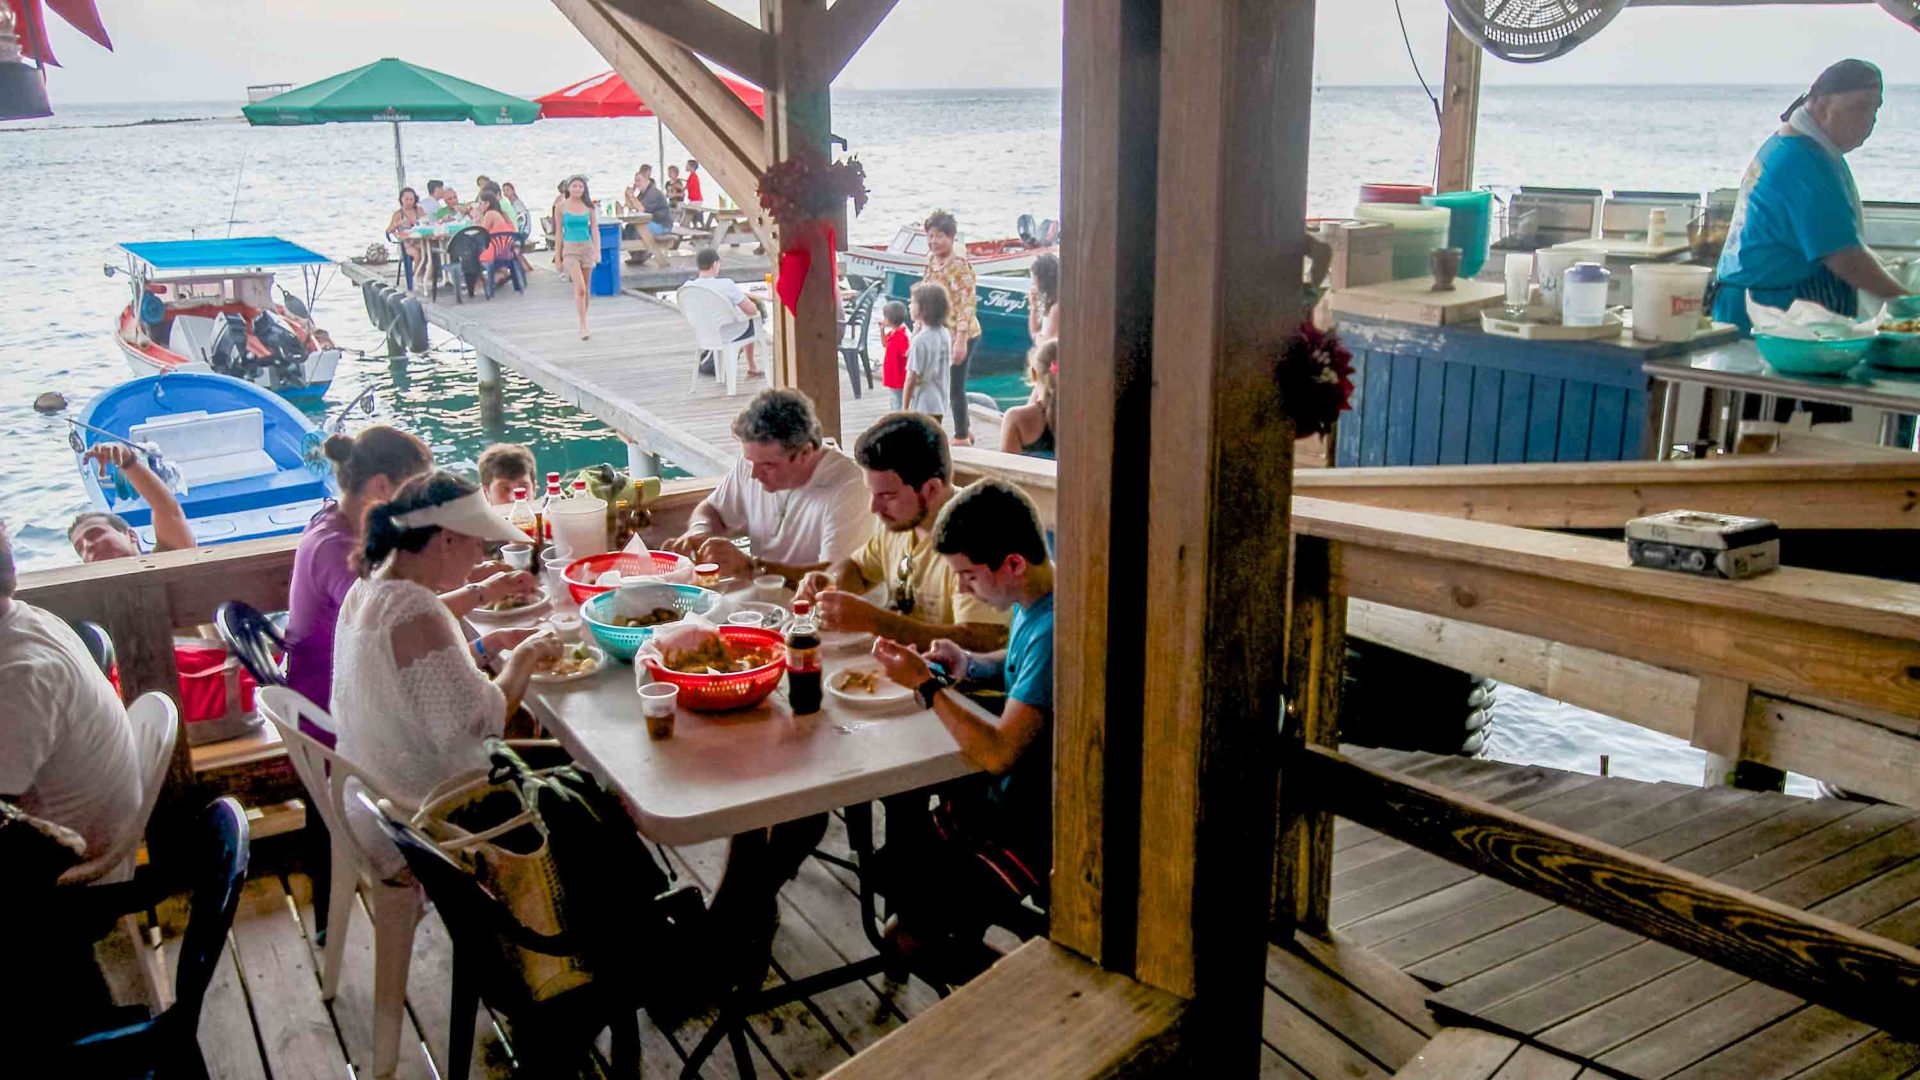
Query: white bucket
{"type": "Point", "coordinates": [1667, 301]}
{"type": "Point", "coordinates": [580, 525]}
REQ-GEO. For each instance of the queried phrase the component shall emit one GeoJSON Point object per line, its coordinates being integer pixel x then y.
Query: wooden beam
{"type": "Point", "coordinates": [1720, 726]}
{"type": "Point", "coordinates": [1879, 493]}
{"type": "Point", "coordinates": [709, 30]}
{"type": "Point", "coordinates": [848, 25]}
{"type": "Point", "coordinates": [1111, 104]}
{"type": "Point", "coordinates": [1876, 494]}
{"type": "Point", "coordinates": [1459, 111]}
{"type": "Point", "coordinates": [1316, 658]}
{"type": "Point", "coordinates": [1790, 632]}
{"type": "Point", "coordinates": [1866, 977]}
{"type": "Point", "coordinates": [716, 126]}
{"type": "Point", "coordinates": [799, 117]}
{"type": "Point", "coordinates": [1236, 87]}
{"type": "Point", "coordinates": [1042, 1011]}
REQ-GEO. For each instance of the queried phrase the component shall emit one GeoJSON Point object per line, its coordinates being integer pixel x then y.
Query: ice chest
{"type": "Point", "coordinates": [1711, 545]}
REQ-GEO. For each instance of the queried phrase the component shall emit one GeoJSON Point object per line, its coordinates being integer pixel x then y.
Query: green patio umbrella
{"type": "Point", "coordinates": [391, 91]}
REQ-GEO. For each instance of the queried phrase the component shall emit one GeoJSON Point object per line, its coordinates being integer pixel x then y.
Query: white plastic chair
{"type": "Point", "coordinates": [395, 905]}
{"type": "Point", "coordinates": [155, 721]}
{"type": "Point", "coordinates": [707, 312]}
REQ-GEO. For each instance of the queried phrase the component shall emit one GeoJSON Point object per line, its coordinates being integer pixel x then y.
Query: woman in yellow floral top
{"type": "Point", "coordinates": [947, 267]}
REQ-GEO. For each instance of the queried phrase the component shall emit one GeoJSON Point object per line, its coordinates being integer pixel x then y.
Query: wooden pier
{"type": "Point", "coordinates": [634, 373]}
{"type": "Point", "coordinates": [1430, 970]}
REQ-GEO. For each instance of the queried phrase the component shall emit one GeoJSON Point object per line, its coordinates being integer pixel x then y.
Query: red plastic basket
{"type": "Point", "coordinates": [582, 573]}
{"type": "Point", "coordinates": [719, 693]}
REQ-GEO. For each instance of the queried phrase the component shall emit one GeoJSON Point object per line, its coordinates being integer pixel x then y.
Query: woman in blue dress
{"type": "Point", "coordinates": [1796, 232]}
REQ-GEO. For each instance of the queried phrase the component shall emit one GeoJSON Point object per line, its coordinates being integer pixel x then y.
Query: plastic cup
{"type": "Point", "coordinates": [1519, 271]}
{"type": "Point", "coordinates": [747, 618]}
{"type": "Point", "coordinates": [768, 588]}
{"type": "Point", "coordinates": [569, 628]}
{"type": "Point", "coordinates": [518, 556]}
{"type": "Point", "coordinates": [658, 701]}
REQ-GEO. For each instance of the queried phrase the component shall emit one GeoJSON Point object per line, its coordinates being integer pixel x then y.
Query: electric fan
{"type": "Point", "coordinates": [1530, 31]}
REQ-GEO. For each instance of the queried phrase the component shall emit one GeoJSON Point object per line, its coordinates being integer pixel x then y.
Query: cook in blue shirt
{"type": "Point", "coordinates": [1796, 227]}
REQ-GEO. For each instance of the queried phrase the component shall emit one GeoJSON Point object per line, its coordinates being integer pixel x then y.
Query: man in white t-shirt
{"type": "Point", "coordinates": [744, 329]}
{"type": "Point", "coordinates": [801, 503]}
{"type": "Point", "coordinates": [66, 748]}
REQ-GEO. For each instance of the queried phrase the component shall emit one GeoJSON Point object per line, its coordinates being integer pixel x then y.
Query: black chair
{"type": "Point", "coordinates": [550, 1036]}
{"type": "Point", "coordinates": [99, 644]}
{"type": "Point", "coordinates": [853, 341]}
{"type": "Point", "coordinates": [463, 259]}
{"type": "Point", "coordinates": [168, 1045]}
{"type": "Point", "coordinates": [254, 640]}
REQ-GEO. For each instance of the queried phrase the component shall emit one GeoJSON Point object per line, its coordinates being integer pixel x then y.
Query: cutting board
{"type": "Point", "coordinates": [1413, 300]}
{"type": "Point", "coordinates": [1624, 248]}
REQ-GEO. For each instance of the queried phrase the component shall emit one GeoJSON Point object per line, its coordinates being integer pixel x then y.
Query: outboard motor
{"type": "Point", "coordinates": [227, 352]}
{"type": "Point", "coordinates": [1024, 226]}
{"type": "Point", "coordinates": [289, 357]}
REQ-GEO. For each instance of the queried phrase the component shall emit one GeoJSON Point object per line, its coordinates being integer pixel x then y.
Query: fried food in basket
{"type": "Point", "coordinates": [716, 657]}
{"type": "Point", "coordinates": [657, 617]}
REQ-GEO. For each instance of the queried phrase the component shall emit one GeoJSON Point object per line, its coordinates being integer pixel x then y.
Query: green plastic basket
{"type": "Point", "coordinates": [1793, 356]}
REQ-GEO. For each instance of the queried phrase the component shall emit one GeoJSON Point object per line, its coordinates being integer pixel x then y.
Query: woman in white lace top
{"type": "Point", "coordinates": [409, 697]}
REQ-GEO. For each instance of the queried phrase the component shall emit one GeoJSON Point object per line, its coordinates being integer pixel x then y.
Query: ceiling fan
{"type": "Point", "coordinates": [1530, 31]}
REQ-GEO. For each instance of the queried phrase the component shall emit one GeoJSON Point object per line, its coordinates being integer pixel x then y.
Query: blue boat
{"type": "Point", "coordinates": [1002, 310]}
{"type": "Point", "coordinates": [241, 451]}
{"type": "Point", "coordinates": [207, 305]}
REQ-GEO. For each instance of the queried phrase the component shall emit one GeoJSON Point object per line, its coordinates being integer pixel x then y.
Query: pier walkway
{"type": "Point", "coordinates": [633, 374]}
{"type": "Point", "coordinates": [1430, 971]}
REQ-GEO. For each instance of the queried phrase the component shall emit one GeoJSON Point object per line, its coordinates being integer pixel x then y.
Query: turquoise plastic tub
{"type": "Point", "coordinates": [1792, 356]}
{"type": "Point", "coordinates": [1471, 226]}
{"type": "Point", "coordinates": [622, 642]}
{"type": "Point", "coordinates": [1893, 349]}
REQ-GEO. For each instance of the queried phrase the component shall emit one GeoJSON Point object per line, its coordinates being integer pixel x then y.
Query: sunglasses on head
{"type": "Point", "coordinates": [903, 588]}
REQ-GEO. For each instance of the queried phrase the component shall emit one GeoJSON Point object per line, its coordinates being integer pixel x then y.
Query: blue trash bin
{"type": "Point", "coordinates": [606, 275]}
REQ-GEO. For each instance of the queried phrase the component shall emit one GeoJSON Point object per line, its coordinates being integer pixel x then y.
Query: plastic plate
{"type": "Point", "coordinates": [885, 691]}
{"type": "Point", "coordinates": [599, 661]}
{"type": "Point", "coordinates": [535, 604]}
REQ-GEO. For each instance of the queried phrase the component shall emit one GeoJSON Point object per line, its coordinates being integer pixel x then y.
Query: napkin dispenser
{"type": "Point", "coordinates": [1711, 545]}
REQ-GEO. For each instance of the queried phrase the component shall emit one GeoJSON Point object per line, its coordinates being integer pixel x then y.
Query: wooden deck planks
{"type": "Point", "coordinates": [1376, 1032]}
{"type": "Point", "coordinates": [635, 371]}
{"type": "Point", "coordinates": [294, 1029]}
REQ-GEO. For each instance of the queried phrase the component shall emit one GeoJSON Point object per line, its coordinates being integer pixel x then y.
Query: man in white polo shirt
{"type": "Point", "coordinates": [801, 504]}
{"type": "Point", "coordinates": [66, 748]}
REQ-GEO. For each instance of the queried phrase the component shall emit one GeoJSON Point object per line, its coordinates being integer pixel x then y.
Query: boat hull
{"type": "Point", "coordinates": [1001, 306]}
{"type": "Point", "coordinates": [867, 264]}
{"type": "Point", "coordinates": [276, 503]}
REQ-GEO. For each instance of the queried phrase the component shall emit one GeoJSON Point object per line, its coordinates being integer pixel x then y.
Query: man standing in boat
{"type": "Point", "coordinates": [97, 535]}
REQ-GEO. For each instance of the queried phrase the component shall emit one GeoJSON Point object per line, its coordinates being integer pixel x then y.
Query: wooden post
{"type": "Point", "coordinates": [1236, 84]}
{"type": "Point", "coordinates": [799, 112]}
{"type": "Point", "coordinates": [1111, 102]}
{"type": "Point", "coordinates": [1459, 111]}
{"type": "Point", "coordinates": [1316, 658]}
{"type": "Point", "coordinates": [493, 408]}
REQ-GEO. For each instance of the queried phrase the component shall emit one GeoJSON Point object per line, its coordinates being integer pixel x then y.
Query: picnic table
{"type": "Point", "coordinates": [722, 774]}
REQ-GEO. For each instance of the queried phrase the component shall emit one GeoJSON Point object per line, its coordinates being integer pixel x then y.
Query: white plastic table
{"type": "Point", "coordinates": [725, 773]}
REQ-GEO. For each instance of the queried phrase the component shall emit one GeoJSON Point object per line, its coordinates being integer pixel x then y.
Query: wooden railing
{"type": "Point", "coordinates": [1871, 751]}
{"type": "Point", "coordinates": [1850, 643]}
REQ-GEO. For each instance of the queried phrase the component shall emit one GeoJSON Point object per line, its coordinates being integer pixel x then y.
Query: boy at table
{"type": "Point", "coordinates": [988, 845]}
{"type": "Point", "coordinates": [909, 472]}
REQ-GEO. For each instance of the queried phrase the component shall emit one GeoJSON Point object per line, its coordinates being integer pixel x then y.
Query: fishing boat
{"type": "Point", "coordinates": [208, 305]}
{"type": "Point", "coordinates": [864, 263]}
{"type": "Point", "coordinates": [240, 451]}
{"type": "Point", "coordinates": [1001, 305]}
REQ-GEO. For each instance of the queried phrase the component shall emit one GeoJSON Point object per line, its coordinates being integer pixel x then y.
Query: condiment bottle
{"type": "Point", "coordinates": [520, 515]}
{"type": "Point", "coordinates": [804, 690]}
{"type": "Point", "coordinates": [1657, 227]}
{"type": "Point", "coordinates": [1583, 296]}
{"type": "Point", "coordinates": [546, 507]}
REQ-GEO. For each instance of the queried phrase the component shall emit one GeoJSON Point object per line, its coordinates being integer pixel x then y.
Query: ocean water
{"type": "Point", "coordinates": [92, 176]}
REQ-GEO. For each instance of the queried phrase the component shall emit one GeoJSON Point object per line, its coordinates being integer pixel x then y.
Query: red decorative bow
{"type": "Point", "coordinates": [30, 22]}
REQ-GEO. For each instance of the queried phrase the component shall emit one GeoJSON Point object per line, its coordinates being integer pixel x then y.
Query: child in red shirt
{"type": "Point", "coordinates": [893, 369]}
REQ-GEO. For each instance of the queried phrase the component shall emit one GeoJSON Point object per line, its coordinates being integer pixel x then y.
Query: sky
{"type": "Point", "coordinates": [196, 50]}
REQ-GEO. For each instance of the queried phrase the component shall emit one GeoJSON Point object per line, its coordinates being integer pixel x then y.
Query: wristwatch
{"type": "Point", "coordinates": [930, 689]}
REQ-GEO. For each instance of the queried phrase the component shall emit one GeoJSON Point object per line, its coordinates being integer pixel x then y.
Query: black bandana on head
{"type": "Point", "coordinates": [1844, 77]}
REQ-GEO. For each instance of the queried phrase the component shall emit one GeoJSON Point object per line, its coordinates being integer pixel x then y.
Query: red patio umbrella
{"type": "Point", "coordinates": [607, 94]}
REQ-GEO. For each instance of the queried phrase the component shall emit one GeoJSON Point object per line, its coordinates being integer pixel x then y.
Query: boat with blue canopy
{"type": "Point", "coordinates": [246, 459]}
{"type": "Point", "coordinates": [208, 305]}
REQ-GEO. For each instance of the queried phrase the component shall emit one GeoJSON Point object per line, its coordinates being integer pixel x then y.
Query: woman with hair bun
{"type": "Point", "coordinates": [369, 468]}
{"type": "Point", "coordinates": [411, 702]}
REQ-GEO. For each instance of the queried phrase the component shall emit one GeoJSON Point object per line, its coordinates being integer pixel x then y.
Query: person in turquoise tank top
{"type": "Point", "coordinates": [1796, 232]}
{"type": "Point", "coordinates": [576, 227]}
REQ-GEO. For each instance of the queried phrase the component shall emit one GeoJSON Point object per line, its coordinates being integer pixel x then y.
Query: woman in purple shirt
{"type": "Point", "coordinates": [370, 467]}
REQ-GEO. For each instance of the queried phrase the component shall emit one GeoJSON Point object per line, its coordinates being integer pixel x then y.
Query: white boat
{"type": "Point", "coordinates": [865, 263]}
{"type": "Point", "coordinates": [207, 305]}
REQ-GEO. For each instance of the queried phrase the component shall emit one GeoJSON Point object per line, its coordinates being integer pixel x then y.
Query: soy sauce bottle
{"type": "Point", "coordinates": [803, 661]}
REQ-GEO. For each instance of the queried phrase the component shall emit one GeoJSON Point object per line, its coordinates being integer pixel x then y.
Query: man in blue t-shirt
{"type": "Point", "coordinates": [990, 846]}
